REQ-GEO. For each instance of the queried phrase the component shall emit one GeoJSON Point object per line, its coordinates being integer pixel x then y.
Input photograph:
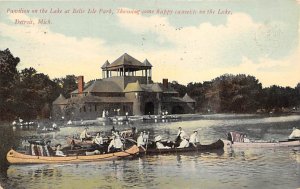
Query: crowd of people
{"type": "Point", "coordinates": [114, 142]}
{"type": "Point", "coordinates": [182, 140]}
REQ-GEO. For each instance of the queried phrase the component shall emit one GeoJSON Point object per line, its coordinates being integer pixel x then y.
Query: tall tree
{"type": "Point", "coordinates": [66, 85]}
{"type": "Point", "coordinates": [8, 77]}
{"type": "Point", "coordinates": [181, 89]}
{"type": "Point", "coordinates": [34, 93]}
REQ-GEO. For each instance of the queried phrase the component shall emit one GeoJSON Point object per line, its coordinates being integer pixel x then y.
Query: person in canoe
{"type": "Point", "coordinates": [146, 137]}
{"type": "Point", "coordinates": [98, 142]}
{"type": "Point", "coordinates": [180, 134]}
{"type": "Point", "coordinates": [115, 144]}
{"type": "Point", "coordinates": [49, 150]}
{"type": "Point", "coordinates": [113, 129]}
{"type": "Point", "coordinates": [194, 139]}
{"type": "Point", "coordinates": [140, 140]}
{"type": "Point", "coordinates": [58, 151]}
{"type": "Point", "coordinates": [158, 143]}
{"type": "Point", "coordinates": [184, 142]}
{"type": "Point", "coordinates": [295, 134]}
{"type": "Point", "coordinates": [84, 135]}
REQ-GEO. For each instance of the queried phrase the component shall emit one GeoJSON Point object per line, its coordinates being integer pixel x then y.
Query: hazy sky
{"type": "Point", "coordinates": [259, 38]}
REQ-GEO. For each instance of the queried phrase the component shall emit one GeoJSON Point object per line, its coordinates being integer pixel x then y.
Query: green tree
{"type": "Point", "coordinates": [181, 89]}
{"type": "Point", "coordinates": [66, 85]}
{"type": "Point", "coordinates": [8, 77]}
{"type": "Point", "coordinates": [35, 92]}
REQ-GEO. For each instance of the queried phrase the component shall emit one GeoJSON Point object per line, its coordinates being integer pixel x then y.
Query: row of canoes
{"type": "Point", "coordinates": [14, 157]}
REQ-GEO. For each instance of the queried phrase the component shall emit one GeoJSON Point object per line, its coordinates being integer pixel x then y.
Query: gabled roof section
{"type": "Point", "coordinates": [100, 86]}
{"type": "Point", "coordinates": [187, 98]}
{"type": "Point", "coordinates": [103, 86]}
{"type": "Point", "coordinates": [174, 99]}
{"type": "Point", "coordinates": [60, 100]}
{"type": "Point", "coordinates": [153, 87]}
{"type": "Point", "coordinates": [147, 63]}
{"type": "Point", "coordinates": [97, 99]}
{"type": "Point", "coordinates": [86, 85]}
{"type": "Point", "coordinates": [167, 90]}
{"type": "Point", "coordinates": [105, 64]}
{"type": "Point", "coordinates": [133, 87]}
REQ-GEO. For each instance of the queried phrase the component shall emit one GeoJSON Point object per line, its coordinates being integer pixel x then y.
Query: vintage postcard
{"type": "Point", "coordinates": [150, 94]}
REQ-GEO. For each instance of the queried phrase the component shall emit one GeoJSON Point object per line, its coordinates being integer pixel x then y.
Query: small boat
{"type": "Point", "coordinates": [161, 117]}
{"type": "Point", "coordinates": [22, 123]}
{"type": "Point", "coordinates": [173, 117]}
{"type": "Point", "coordinates": [262, 144]}
{"type": "Point", "coordinates": [119, 119]}
{"type": "Point", "coordinates": [218, 145]}
{"type": "Point", "coordinates": [14, 157]}
{"type": "Point", "coordinates": [103, 119]}
{"type": "Point", "coordinates": [239, 140]}
{"type": "Point", "coordinates": [48, 129]}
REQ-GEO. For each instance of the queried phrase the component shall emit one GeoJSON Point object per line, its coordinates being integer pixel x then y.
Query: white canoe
{"type": "Point", "coordinates": [261, 144]}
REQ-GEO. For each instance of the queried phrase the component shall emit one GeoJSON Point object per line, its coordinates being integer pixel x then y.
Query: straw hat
{"type": "Point", "coordinates": [157, 138]}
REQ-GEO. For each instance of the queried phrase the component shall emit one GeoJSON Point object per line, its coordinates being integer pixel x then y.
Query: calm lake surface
{"type": "Point", "coordinates": [244, 168]}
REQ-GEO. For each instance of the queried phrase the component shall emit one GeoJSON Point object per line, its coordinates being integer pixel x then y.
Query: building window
{"type": "Point", "coordinates": [95, 108]}
{"type": "Point", "coordinates": [84, 109]}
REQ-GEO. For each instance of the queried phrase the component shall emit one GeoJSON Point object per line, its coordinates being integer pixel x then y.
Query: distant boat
{"type": "Point", "coordinates": [262, 144]}
{"type": "Point", "coordinates": [120, 119]}
{"type": "Point", "coordinates": [161, 117]}
{"type": "Point", "coordinates": [238, 140]}
{"type": "Point", "coordinates": [103, 119]}
{"type": "Point", "coordinates": [22, 123]}
{"type": "Point", "coordinates": [47, 129]}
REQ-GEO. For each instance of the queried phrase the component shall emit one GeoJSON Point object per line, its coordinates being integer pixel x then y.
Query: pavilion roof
{"type": "Point", "coordinates": [128, 62]}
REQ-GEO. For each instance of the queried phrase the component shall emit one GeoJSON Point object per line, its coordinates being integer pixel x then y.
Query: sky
{"type": "Point", "coordinates": [185, 41]}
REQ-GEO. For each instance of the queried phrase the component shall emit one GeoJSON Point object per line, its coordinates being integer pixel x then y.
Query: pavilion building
{"type": "Point", "coordinates": [126, 87]}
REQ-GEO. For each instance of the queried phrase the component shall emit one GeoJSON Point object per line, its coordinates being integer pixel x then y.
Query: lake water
{"type": "Point", "coordinates": [243, 168]}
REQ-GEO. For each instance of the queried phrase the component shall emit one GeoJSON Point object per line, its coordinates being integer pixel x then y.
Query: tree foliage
{"type": "Point", "coordinates": [239, 93]}
{"type": "Point", "coordinates": [27, 93]}
{"type": "Point", "coordinates": [8, 77]}
{"type": "Point", "coordinates": [67, 84]}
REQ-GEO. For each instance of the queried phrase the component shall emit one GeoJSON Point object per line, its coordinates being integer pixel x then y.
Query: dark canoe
{"type": "Point", "coordinates": [218, 145]}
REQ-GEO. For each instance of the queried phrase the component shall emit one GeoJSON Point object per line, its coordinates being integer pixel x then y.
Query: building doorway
{"type": "Point", "coordinates": [149, 108]}
{"type": "Point", "coordinates": [177, 110]}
